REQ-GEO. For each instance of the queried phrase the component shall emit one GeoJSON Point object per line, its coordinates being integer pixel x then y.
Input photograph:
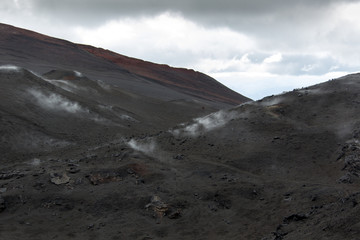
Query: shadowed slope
{"type": "Point", "coordinates": [186, 80]}
{"type": "Point", "coordinates": [67, 106]}
{"type": "Point", "coordinates": [285, 167]}
{"type": "Point", "coordinates": [42, 53]}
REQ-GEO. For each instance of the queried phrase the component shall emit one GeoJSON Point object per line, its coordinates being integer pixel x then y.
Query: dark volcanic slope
{"type": "Point", "coordinates": [285, 167]}
{"type": "Point", "coordinates": [65, 107]}
{"type": "Point", "coordinates": [185, 80]}
{"type": "Point", "coordinates": [101, 146]}
{"type": "Point", "coordinates": [41, 53]}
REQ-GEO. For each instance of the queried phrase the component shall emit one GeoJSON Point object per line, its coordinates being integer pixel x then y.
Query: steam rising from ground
{"type": "Point", "coordinates": [78, 74]}
{"type": "Point", "coordinates": [29, 141]}
{"type": "Point", "coordinates": [9, 68]}
{"type": "Point", "coordinates": [56, 102]}
{"type": "Point", "coordinates": [147, 147]}
{"type": "Point", "coordinates": [312, 91]}
{"type": "Point", "coordinates": [207, 123]}
{"type": "Point", "coordinates": [66, 85]}
{"type": "Point", "coordinates": [266, 102]}
{"type": "Point", "coordinates": [119, 115]}
{"type": "Point", "coordinates": [35, 162]}
{"type": "Point", "coordinates": [103, 85]}
{"type": "Point", "coordinates": [345, 129]}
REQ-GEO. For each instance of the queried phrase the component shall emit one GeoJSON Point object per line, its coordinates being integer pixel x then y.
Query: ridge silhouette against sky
{"type": "Point", "coordinates": [257, 48]}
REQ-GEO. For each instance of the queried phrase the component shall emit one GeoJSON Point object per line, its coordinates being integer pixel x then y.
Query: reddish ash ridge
{"type": "Point", "coordinates": [184, 80]}
{"type": "Point", "coordinates": [187, 80]}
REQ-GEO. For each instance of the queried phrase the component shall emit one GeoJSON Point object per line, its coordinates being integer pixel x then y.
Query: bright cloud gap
{"type": "Point", "coordinates": [235, 59]}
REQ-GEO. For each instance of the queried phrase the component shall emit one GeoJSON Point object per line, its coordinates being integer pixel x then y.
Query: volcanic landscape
{"type": "Point", "coordinates": [97, 145]}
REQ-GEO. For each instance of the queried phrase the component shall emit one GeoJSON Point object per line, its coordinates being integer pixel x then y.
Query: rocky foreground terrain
{"type": "Point", "coordinates": [85, 157]}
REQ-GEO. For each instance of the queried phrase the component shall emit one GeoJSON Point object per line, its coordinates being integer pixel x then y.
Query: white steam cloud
{"type": "Point", "coordinates": [104, 85]}
{"type": "Point", "coordinates": [53, 101]}
{"type": "Point", "coordinates": [312, 91]}
{"type": "Point", "coordinates": [9, 68]}
{"type": "Point", "coordinates": [56, 102]}
{"type": "Point", "coordinates": [148, 147]}
{"type": "Point", "coordinates": [121, 116]}
{"type": "Point", "coordinates": [32, 141]}
{"type": "Point", "coordinates": [67, 85]}
{"type": "Point", "coordinates": [270, 101]}
{"type": "Point", "coordinates": [78, 74]}
{"type": "Point", "coordinates": [35, 162]}
{"type": "Point", "coordinates": [207, 123]}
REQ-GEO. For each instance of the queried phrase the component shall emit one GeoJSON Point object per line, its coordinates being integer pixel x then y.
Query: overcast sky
{"type": "Point", "coordinates": [256, 47]}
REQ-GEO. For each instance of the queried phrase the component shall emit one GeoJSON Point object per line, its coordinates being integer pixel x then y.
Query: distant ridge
{"type": "Point", "coordinates": [43, 53]}
{"type": "Point", "coordinates": [188, 80]}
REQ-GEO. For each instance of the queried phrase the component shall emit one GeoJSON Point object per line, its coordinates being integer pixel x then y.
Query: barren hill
{"type": "Point", "coordinates": [42, 53]}
{"type": "Point", "coordinates": [96, 145]}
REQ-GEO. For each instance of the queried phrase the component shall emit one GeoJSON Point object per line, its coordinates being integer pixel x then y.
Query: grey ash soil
{"type": "Point", "coordinates": [285, 167]}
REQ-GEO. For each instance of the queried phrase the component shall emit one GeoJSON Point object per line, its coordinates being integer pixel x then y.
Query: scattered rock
{"type": "Point", "coordinates": [226, 221]}
{"type": "Point", "coordinates": [139, 181]}
{"type": "Point", "coordinates": [178, 157]}
{"type": "Point", "coordinates": [158, 206]}
{"type": "Point", "coordinates": [345, 179]}
{"type": "Point", "coordinates": [2, 204]}
{"type": "Point", "coordinates": [213, 207]}
{"type": "Point", "coordinates": [350, 156]}
{"type": "Point", "coordinates": [59, 203]}
{"type": "Point", "coordinates": [104, 177]}
{"type": "Point", "coordinates": [116, 155]}
{"type": "Point", "coordinates": [73, 169]}
{"type": "Point", "coordinates": [58, 179]}
{"type": "Point", "coordinates": [281, 231]}
{"type": "Point", "coordinates": [39, 185]}
{"type": "Point", "coordinates": [138, 169]}
{"type": "Point", "coordinates": [9, 175]}
{"type": "Point", "coordinates": [295, 218]}
{"type": "Point", "coordinates": [229, 179]}
{"type": "Point", "coordinates": [78, 181]}
{"type": "Point", "coordinates": [174, 214]}
{"type": "Point", "coordinates": [279, 235]}
{"type": "Point", "coordinates": [162, 209]}
{"type": "Point", "coordinates": [130, 171]}
{"type": "Point", "coordinates": [223, 203]}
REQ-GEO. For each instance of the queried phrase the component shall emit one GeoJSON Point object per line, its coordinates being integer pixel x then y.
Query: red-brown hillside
{"type": "Point", "coordinates": [42, 53]}
{"type": "Point", "coordinates": [188, 80]}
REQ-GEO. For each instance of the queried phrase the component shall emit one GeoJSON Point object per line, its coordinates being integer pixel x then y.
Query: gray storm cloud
{"type": "Point", "coordinates": [279, 25]}
{"type": "Point", "coordinates": [208, 11]}
{"type": "Point", "coordinates": [198, 6]}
